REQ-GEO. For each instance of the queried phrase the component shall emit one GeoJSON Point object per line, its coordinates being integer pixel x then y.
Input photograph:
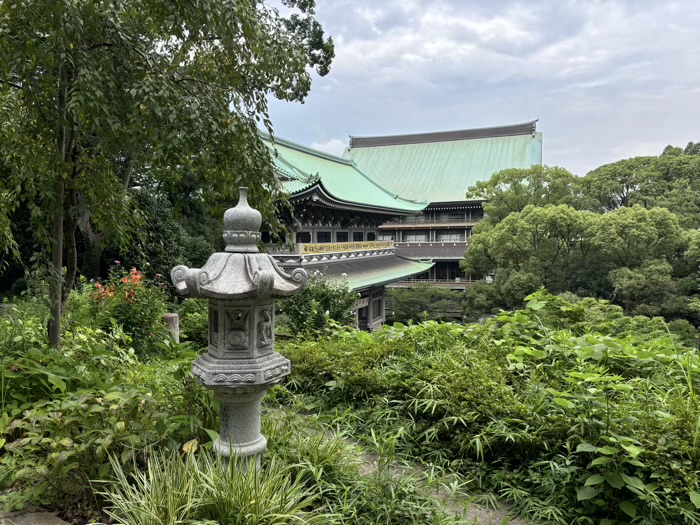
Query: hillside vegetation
{"type": "Point", "coordinates": [572, 411]}
{"type": "Point", "coordinates": [627, 232]}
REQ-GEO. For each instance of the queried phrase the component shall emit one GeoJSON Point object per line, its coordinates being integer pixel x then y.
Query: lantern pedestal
{"type": "Point", "coordinates": [240, 423]}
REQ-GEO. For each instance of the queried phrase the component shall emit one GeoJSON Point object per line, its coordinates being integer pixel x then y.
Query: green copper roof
{"type": "Point", "coordinates": [439, 167]}
{"type": "Point", "coordinates": [372, 271]}
{"type": "Point", "coordinates": [301, 168]}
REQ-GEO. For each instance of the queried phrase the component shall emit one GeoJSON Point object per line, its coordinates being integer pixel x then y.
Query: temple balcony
{"type": "Point", "coordinates": [440, 250]}
{"type": "Point", "coordinates": [421, 221]}
{"type": "Point", "coordinates": [458, 283]}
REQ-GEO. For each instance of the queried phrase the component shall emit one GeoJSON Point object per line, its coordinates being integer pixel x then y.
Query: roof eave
{"type": "Point", "coordinates": [334, 201]}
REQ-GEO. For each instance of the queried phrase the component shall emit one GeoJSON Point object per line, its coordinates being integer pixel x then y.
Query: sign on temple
{"type": "Point", "coordinates": [345, 246]}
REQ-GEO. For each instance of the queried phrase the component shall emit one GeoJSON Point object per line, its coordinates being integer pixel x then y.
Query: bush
{"type": "Point", "coordinates": [63, 412]}
{"type": "Point", "coordinates": [423, 302]}
{"type": "Point", "coordinates": [194, 321]}
{"type": "Point", "coordinates": [570, 410]}
{"type": "Point", "coordinates": [200, 489]}
{"type": "Point", "coordinates": [134, 302]}
{"type": "Point", "coordinates": [321, 301]}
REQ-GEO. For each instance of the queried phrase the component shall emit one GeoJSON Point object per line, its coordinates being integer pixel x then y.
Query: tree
{"type": "Point", "coordinates": [670, 181]}
{"type": "Point", "coordinates": [629, 237]}
{"type": "Point", "coordinates": [692, 148]}
{"type": "Point", "coordinates": [510, 191]}
{"type": "Point", "coordinates": [616, 185]}
{"type": "Point", "coordinates": [547, 242]}
{"type": "Point", "coordinates": [649, 290]}
{"type": "Point", "coordinates": [322, 300]}
{"type": "Point", "coordinates": [95, 92]}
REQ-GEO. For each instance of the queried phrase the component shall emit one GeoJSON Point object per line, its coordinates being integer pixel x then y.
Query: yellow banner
{"type": "Point", "coordinates": [327, 247]}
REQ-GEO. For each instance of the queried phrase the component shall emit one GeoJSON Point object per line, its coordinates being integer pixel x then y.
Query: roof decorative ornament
{"type": "Point", "coordinates": [240, 271]}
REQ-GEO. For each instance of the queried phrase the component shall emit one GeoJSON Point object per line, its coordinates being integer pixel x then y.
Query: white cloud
{"type": "Point", "coordinates": [639, 149]}
{"type": "Point", "coordinates": [332, 146]}
{"type": "Point", "coordinates": [606, 78]}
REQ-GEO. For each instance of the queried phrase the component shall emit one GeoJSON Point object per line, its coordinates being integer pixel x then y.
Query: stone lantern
{"type": "Point", "coordinates": [241, 364]}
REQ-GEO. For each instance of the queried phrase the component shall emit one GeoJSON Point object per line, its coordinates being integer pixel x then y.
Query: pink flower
{"type": "Point", "coordinates": [117, 262]}
{"type": "Point", "coordinates": [159, 275]}
{"type": "Point", "coordinates": [148, 264]}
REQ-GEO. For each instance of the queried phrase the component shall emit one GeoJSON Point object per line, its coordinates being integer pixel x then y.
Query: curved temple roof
{"type": "Point", "coordinates": [439, 167]}
{"type": "Point", "coordinates": [303, 169]}
{"type": "Point", "coordinates": [372, 271]}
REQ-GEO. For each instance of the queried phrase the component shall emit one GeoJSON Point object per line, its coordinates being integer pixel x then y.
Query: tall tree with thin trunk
{"type": "Point", "coordinates": [94, 91]}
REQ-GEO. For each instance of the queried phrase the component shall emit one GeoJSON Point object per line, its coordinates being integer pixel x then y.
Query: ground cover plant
{"type": "Point", "coordinates": [62, 413]}
{"type": "Point", "coordinates": [569, 410]}
{"type": "Point", "coordinates": [99, 431]}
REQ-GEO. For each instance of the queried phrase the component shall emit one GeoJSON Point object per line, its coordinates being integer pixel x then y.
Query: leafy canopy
{"type": "Point", "coordinates": [511, 190]}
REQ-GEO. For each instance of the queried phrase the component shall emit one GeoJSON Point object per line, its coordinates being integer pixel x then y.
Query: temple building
{"type": "Point", "coordinates": [438, 168]}
{"type": "Point", "coordinates": [392, 210]}
{"type": "Point", "coordinates": [336, 222]}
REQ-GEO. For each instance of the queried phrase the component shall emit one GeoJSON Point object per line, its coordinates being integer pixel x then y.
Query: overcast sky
{"type": "Point", "coordinates": [607, 79]}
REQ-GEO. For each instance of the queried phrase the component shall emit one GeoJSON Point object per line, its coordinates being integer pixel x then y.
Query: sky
{"type": "Point", "coordinates": [607, 79]}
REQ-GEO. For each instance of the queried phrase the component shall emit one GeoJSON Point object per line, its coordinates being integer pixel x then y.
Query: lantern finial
{"type": "Point", "coordinates": [242, 226]}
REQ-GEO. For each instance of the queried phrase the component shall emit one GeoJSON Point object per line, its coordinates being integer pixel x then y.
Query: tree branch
{"type": "Point", "coordinates": [11, 84]}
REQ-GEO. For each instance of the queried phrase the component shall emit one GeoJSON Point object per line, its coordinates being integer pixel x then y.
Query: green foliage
{"type": "Point", "coordinates": [422, 302]}
{"type": "Point", "coordinates": [93, 416]}
{"type": "Point", "coordinates": [538, 233]}
{"type": "Point", "coordinates": [320, 302]}
{"type": "Point", "coordinates": [479, 299]}
{"type": "Point", "coordinates": [132, 301]}
{"type": "Point", "coordinates": [512, 190]}
{"type": "Point", "coordinates": [194, 321]}
{"type": "Point", "coordinates": [639, 256]}
{"type": "Point", "coordinates": [668, 181]}
{"type": "Point", "coordinates": [330, 466]}
{"type": "Point", "coordinates": [570, 410]}
{"type": "Point", "coordinates": [548, 241]}
{"type": "Point", "coordinates": [200, 489]}
{"type": "Point", "coordinates": [63, 412]}
{"type": "Point", "coordinates": [168, 238]}
{"type": "Point", "coordinates": [96, 97]}
{"type": "Point", "coordinates": [630, 236]}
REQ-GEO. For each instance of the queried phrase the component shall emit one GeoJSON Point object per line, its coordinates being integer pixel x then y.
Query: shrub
{"type": "Point", "coordinates": [320, 301]}
{"type": "Point", "coordinates": [194, 315]}
{"type": "Point", "coordinates": [63, 412]}
{"type": "Point", "coordinates": [570, 410]}
{"type": "Point", "coordinates": [423, 302]}
{"type": "Point", "coordinates": [200, 489]}
{"type": "Point", "coordinates": [134, 302]}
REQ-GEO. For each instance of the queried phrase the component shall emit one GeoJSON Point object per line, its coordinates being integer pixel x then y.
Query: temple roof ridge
{"type": "Point", "coordinates": [525, 128]}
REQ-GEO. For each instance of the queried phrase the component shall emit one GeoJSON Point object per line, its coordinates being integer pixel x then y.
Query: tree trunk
{"type": "Point", "coordinates": [65, 135]}
{"type": "Point", "coordinates": [71, 225]}
{"type": "Point", "coordinates": [56, 277]}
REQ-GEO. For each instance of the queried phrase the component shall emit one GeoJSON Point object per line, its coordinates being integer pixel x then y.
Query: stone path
{"type": "Point", "coordinates": [30, 518]}
{"type": "Point", "coordinates": [454, 504]}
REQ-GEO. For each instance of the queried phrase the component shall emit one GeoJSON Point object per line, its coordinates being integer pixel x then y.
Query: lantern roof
{"type": "Point", "coordinates": [241, 271]}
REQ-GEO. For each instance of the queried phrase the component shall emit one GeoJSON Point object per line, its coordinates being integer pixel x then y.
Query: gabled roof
{"type": "Point", "coordinates": [302, 170]}
{"type": "Point", "coordinates": [439, 167]}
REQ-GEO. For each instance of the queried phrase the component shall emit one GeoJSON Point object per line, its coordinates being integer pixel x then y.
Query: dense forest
{"type": "Point", "coordinates": [627, 232]}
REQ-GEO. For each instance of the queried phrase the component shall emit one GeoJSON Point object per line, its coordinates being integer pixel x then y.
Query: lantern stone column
{"type": "Point", "coordinates": [241, 363]}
